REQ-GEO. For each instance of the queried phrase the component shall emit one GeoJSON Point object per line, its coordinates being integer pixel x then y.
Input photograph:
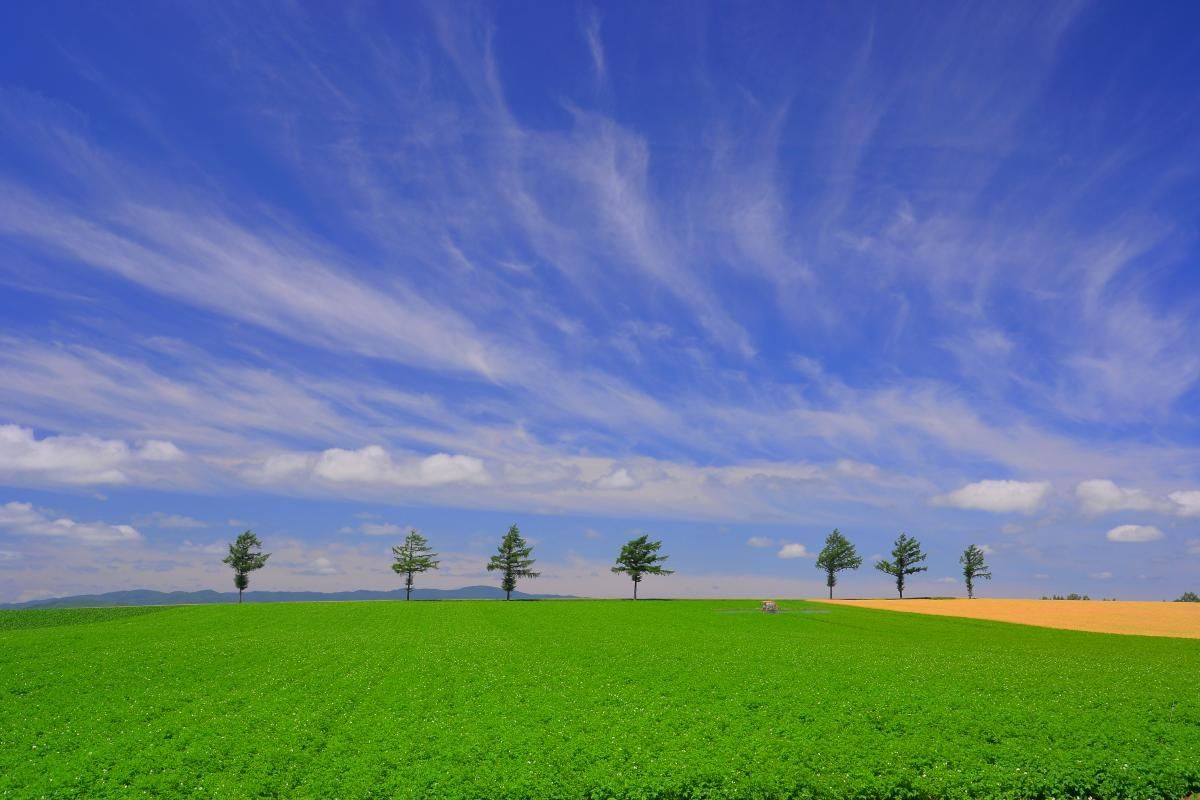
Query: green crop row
{"type": "Point", "coordinates": [589, 699]}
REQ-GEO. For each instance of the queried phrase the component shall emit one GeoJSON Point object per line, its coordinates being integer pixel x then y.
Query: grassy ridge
{"type": "Point", "coordinates": [590, 699]}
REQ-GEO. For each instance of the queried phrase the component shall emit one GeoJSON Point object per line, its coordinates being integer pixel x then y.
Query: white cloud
{"type": "Point", "coordinates": [382, 529]}
{"type": "Point", "coordinates": [617, 479]}
{"type": "Point", "coordinates": [369, 466]}
{"type": "Point", "coordinates": [760, 541]}
{"type": "Point", "coordinates": [987, 549]}
{"type": "Point", "coordinates": [1100, 576]}
{"type": "Point", "coordinates": [1134, 533]}
{"type": "Point", "coordinates": [1104, 496]}
{"type": "Point", "coordinates": [444, 468]}
{"type": "Point", "coordinates": [1187, 503]}
{"type": "Point", "coordinates": [212, 549]}
{"type": "Point", "coordinates": [997, 496]}
{"type": "Point", "coordinates": [1193, 547]}
{"type": "Point", "coordinates": [23, 518]}
{"type": "Point", "coordinates": [794, 551]}
{"type": "Point", "coordinates": [159, 519]}
{"type": "Point", "coordinates": [79, 460]}
{"type": "Point", "coordinates": [947, 580]}
{"type": "Point", "coordinates": [319, 566]}
{"type": "Point", "coordinates": [595, 46]}
{"type": "Point", "coordinates": [855, 469]}
{"type": "Point", "coordinates": [593, 534]}
{"type": "Point", "coordinates": [155, 450]}
{"type": "Point", "coordinates": [9, 555]}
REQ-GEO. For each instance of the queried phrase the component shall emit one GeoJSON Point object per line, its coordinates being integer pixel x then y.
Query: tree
{"type": "Point", "coordinates": [414, 556]}
{"type": "Point", "coordinates": [974, 567]}
{"type": "Point", "coordinates": [837, 555]}
{"type": "Point", "coordinates": [905, 557]}
{"type": "Point", "coordinates": [245, 556]}
{"type": "Point", "coordinates": [1188, 597]}
{"type": "Point", "coordinates": [513, 561]}
{"type": "Point", "coordinates": [640, 557]}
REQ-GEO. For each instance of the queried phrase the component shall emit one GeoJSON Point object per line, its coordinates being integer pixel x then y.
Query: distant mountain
{"type": "Point", "coordinates": [148, 597]}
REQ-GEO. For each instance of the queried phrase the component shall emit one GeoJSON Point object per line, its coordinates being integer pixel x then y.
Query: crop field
{"type": "Point", "coordinates": [1098, 616]}
{"type": "Point", "coordinates": [586, 699]}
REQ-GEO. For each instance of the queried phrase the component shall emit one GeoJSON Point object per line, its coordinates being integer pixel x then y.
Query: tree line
{"type": "Point", "coordinates": [638, 557]}
{"type": "Point", "coordinates": [839, 555]}
{"type": "Point", "coordinates": [513, 560]}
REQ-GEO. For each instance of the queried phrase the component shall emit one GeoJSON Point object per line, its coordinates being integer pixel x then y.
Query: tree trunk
{"type": "Point", "coordinates": [240, 596]}
{"type": "Point", "coordinates": [635, 590]}
{"type": "Point", "coordinates": [830, 592]}
{"type": "Point", "coordinates": [408, 593]}
{"type": "Point", "coordinates": [507, 594]}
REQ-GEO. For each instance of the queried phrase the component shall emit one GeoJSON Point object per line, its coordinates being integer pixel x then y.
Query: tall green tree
{"type": "Point", "coordinates": [513, 561]}
{"type": "Point", "coordinates": [837, 555]}
{"type": "Point", "coordinates": [906, 554]}
{"type": "Point", "coordinates": [245, 556]}
{"type": "Point", "coordinates": [640, 557]}
{"type": "Point", "coordinates": [412, 557]}
{"type": "Point", "coordinates": [974, 567]}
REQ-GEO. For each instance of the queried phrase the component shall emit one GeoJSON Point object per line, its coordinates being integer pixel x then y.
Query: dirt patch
{"type": "Point", "coordinates": [1145, 619]}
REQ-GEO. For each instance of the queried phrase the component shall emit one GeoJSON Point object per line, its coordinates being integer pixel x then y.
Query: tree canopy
{"type": "Point", "coordinates": [245, 556]}
{"type": "Point", "coordinates": [513, 561]}
{"type": "Point", "coordinates": [905, 556]}
{"type": "Point", "coordinates": [412, 557]}
{"type": "Point", "coordinates": [837, 555]}
{"type": "Point", "coordinates": [640, 557]}
{"type": "Point", "coordinates": [974, 567]}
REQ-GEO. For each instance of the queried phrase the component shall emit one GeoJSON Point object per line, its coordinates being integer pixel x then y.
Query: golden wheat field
{"type": "Point", "coordinates": [1100, 616]}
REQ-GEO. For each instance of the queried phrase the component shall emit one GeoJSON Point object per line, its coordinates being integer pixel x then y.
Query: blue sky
{"type": "Point", "coordinates": [729, 275]}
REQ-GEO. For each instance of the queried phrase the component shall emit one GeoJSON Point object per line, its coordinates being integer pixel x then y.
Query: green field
{"type": "Point", "coordinates": [585, 699]}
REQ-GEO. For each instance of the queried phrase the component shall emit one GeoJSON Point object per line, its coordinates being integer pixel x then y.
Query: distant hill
{"type": "Point", "coordinates": [148, 597]}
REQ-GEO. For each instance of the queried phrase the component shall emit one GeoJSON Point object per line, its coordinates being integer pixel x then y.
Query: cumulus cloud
{"type": "Point", "coordinates": [997, 496]}
{"type": "Point", "coordinates": [618, 479]}
{"type": "Point", "coordinates": [1134, 533]}
{"type": "Point", "coordinates": [382, 529]}
{"type": "Point", "coordinates": [1104, 496]}
{"type": "Point", "coordinates": [1187, 504]}
{"type": "Point", "coordinates": [24, 519]}
{"type": "Point", "coordinates": [79, 460]}
{"type": "Point", "coordinates": [794, 551]}
{"type": "Point", "coordinates": [369, 466]}
{"type": "Point", "coordinates": [319, 566]}
{"type": "Point", "coordinates": [760, 541]}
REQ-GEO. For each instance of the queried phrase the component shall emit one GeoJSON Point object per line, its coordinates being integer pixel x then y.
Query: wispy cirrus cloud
{"type": "Point", "coordinates": [676, 288]}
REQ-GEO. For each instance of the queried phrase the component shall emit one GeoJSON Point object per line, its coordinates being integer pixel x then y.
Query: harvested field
{"type": "Point", "coordinates": [1180, 620]}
